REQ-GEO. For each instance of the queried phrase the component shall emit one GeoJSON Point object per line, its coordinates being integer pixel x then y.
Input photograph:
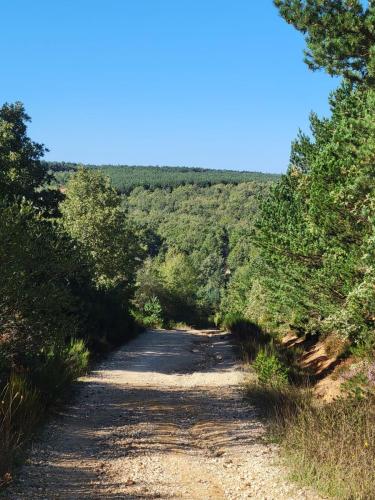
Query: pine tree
{"type": "Point", "coordinates": [340, 35]}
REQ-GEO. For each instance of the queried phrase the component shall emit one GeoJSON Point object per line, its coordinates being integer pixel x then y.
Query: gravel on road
{"type": "Point", "coordinates": [162, 417]}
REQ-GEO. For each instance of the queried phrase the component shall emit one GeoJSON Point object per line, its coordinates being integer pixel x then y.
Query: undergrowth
{"type": "Point", "coordinates": [20, 409]}
{"type": "Point", "coordinates": [328, 446]}
{"type": "Point", "coordinates": [27, 394]}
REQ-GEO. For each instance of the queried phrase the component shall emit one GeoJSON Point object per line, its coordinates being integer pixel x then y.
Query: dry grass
{"type": "Point", "coordinates": [26, 397]}
{"type": "Point", "coordinates": [334, 446]}
{"type": "Point", "coordinates": [330, 447]}
{"type": "Point", "coordinates": [335, 345]}
{"type": "Point", "coordinates": [279, 405]}
{"type": "Point", "coordinates": [20, 410]}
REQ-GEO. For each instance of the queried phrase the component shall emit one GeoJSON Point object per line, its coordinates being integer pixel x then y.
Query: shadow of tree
{"type": "Point", "coordinates": [109, 422]}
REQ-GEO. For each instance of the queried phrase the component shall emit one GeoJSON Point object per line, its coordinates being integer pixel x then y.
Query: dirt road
{"type": "Point", "coordinates": [163, 417]}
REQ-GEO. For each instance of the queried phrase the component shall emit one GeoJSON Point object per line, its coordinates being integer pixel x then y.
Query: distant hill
{"type": "Point", "coordinates": [125, 178]}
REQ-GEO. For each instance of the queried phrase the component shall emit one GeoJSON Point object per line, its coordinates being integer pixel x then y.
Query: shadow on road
{"type": "Point", "coordinates": [137, 404]}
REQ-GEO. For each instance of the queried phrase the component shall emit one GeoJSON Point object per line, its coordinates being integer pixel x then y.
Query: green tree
{"type": "Point", "coordinates": [340, 35]}
{"type": "Point", "coordinates": [180, 282]}
{"type": "Point", "coordinates": [22, 174]}
{"type": "Point", "coordinates": [316, 231]}
{"type": "Point", "coordinates": [36, 303]}
{"type": "Point", "coordinates": [93, 216]}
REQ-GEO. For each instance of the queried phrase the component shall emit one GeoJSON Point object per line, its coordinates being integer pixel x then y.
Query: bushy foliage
{"type": "Point", "coordinates": [152, 313]}
{"type": "Point", "coordinates": [196, 237]}
{"type": "Point", "coordinates": [22, 173]}
{"type": "Point", "coordinates": [313, 269]}
{"type": "Point", "coordinates": [35, 301]}
{"type": "Point", "coordinates": [241, 327]}
{"type": "Point", "coordinates": [52, 371]}
{"type": "Point", "coordinates": [93, 217]}
{"type": "Point", "coordinates": [172, 282]}
{"type": "Point", "coordinates": [270, 370]}
{"type": "Point", "coordinates": [316, 229]}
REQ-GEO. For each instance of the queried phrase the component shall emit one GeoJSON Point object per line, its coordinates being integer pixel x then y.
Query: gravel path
{"type": "Point", "coordinates": [163, 417]}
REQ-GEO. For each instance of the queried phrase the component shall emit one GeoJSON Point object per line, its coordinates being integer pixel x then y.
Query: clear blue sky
{"type": "Point", "coordinates": [211, 83]}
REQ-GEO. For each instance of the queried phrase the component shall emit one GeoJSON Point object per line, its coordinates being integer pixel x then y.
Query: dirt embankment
{"type": "Point", "coordinates": [162, 418]}
{"type": "Point", "coordinates": [322, 361]}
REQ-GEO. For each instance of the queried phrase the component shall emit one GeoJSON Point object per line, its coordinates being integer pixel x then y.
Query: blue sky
{"type": "Point", "coordinates": [210, 83]}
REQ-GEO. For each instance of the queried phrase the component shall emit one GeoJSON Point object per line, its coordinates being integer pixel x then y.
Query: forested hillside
{"type": "Point", "coordinates": [195, 238]}
{"type": "Point", "coordinates": [125, 178]}
{"type": "Point", "coordinates": [89, 255]}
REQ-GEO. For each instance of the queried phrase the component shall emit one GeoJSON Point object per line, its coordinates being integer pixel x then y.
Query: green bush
{"type": "Point", "coordinates": [249, 335]}
{"type": "Point", "coordinates": [37, 265]}
{"type": "Point", "coordinates": [76, 358]}
{"type": "Point", "coordinates": [241, 327]}
{"type": "Point", "coordinates": [270, 370]}
{"type": "Point", "coordinates": [152, 313]}
{"type": "Point", "coordinates": [52, 372]}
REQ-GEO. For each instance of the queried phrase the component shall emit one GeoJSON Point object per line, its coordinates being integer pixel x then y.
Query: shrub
{"type": "Point", "coordinates": [52, 372]}
{"type": "Point", "coordinates": [243, 328]}
{"type": "Point", "coordinates": [269, 368]}
{"type": "Point", "coordinates": [76, 358]}
{"type": "Point", "coordinates": [152, 313]}
{"type": "Point", "coordinates": [37, 264]}
{"type": "Point", "coordinates": [250, 336]}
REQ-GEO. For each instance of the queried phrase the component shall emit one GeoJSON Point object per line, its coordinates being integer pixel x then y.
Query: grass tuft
{"type": "Point", "coordinates": [20, 411]}
{"type": "Point", "coordinates": [26, 396]}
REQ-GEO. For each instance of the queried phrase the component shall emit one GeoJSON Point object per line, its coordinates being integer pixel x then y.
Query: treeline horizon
{"type": "Point", "coordinates": [124, 178]}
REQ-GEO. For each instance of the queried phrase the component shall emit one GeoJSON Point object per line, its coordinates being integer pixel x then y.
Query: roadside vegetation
{"type": "Point", "coordinates": [68, 265]}
{"type": "Point", "coordinates": [311, 275]}
{"type": "Point", "coordinates": [326, 445]}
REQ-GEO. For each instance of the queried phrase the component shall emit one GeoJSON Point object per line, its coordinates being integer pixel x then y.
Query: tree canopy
{"type": "Point", "coordinates": [340, 35]}
{"type": "Point", "coordinates": [93, 216]}
{"type": "Point", "coordinates": [125, 178]}
{"type": "Point", "coordinates": [22, 173]}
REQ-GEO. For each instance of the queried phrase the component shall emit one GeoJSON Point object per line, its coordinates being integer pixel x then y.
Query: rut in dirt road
{"type": "Point", "coordinates": [163, 417]}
